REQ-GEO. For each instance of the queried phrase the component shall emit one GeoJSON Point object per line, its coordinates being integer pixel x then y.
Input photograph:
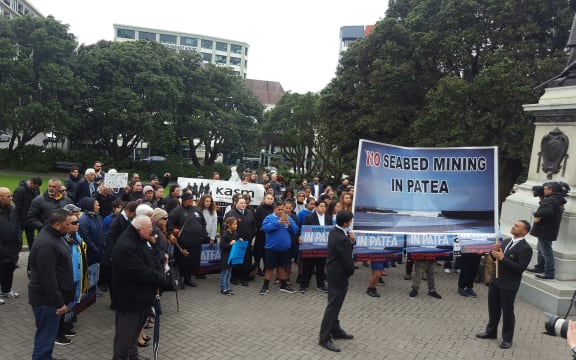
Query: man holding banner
{"type": "Point", "coordinates": [512, 261]}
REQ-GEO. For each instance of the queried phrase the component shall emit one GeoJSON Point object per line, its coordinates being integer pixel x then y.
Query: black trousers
{"type": "Point", "coordinates": [330, 322]}
{"type": "Point", "coordinates": [311, 266]}
{"type": "Point", "coordinates": [128, 326]}
{"type": "Point", "coordinates": [6, 276]}
{"type": "Point", "coordinates": [501, 303]}
{"type": "Point", "coordinates": [188, 264]}
{"type": "Point", "coordinates": [469, 268]}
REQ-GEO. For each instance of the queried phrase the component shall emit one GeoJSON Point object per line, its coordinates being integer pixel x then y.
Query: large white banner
{"type": "Point", "coordinates": [222, 191]}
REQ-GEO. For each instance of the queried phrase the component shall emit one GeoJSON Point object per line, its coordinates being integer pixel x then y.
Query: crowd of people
{"type": "Point", "coordinates": [74, 225]}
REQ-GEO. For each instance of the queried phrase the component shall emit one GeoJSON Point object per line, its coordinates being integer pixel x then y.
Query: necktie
{"type": "Point", "coordinates": [508, 246]}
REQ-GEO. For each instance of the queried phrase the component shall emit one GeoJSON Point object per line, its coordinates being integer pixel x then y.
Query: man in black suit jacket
{"type": "Point", "coordinates": [309, 264]}
{"type": "Point", "coordinates": [339, 266]}
{"type": "Point", "coordinates": [514, 256]}
{"type": "Point", "coordinates": [317, 188]}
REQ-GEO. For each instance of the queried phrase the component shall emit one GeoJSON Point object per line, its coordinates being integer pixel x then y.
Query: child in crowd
{"type": "Point", "coordinates": [228, 239]}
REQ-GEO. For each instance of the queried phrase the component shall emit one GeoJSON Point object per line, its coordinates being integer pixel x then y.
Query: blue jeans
{"type": "Point", "coordinates": [545, 257]}
{"type": "Point", "coordinates": [46, 331]}
{"type": "Point", "coordinates": [225, 277]}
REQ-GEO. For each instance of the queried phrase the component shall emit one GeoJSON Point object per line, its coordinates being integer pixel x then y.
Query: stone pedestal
{"type": "Point", "coordinates": [556, 110]}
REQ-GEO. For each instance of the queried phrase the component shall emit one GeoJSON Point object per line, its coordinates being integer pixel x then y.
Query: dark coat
{"type": "Point", "coordinates": [246, 223]}
{"type": "Point", "coordinates": [42, 206]}
{"type": "Point", "coordinates": [226, 247]}
{"type": "Point", "coordinates": [513, 265]}
{"type": "Point", "coordinates": [312, 219]}
{"type": "Point", "coordinates": [92, 231]}
{"type": "Point", "coordinates": [550, 214]}
{"type": "Point", "coordinates": [51, 278]}
{"type": "Point", "coordinates": [83, 190]}
{"type": "Point", "coordinates": [71, 184]}
{"type": "Point", "coordinates": [135, 276]}
{"type": "Point", "coordinates": [10, 237]}
{"type": "Point", "coordinates": [192, 227]}
{"type": "Point", "coordinates": [320, 189]}
{"type": "Point", "coordinates": [22, 198]}
{"type": "Point", "coordinates": [339, 264]}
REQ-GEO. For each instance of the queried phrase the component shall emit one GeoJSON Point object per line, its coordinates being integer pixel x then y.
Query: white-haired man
{"type": "Point", "coordinates": [86, 187]}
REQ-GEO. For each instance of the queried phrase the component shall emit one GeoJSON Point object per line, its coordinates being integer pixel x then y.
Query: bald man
{"type": "Point", "coordinates": [9, 244]}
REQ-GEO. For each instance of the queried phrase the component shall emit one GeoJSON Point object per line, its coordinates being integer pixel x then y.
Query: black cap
{"type": "Point", "coordinates": [187, 196]}
{"type": "Point", "coordinates": [152, 177]}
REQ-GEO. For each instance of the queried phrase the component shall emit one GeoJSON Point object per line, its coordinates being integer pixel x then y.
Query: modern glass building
{"type": "Point", "coordinates": [13, 8]}
{"type": "Point", "coordinates": [221, 52]}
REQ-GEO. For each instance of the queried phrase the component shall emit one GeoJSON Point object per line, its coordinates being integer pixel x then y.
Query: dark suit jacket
{"type": "Point", "coordinates": [312, 219]}
{"type": "Point", "coordinates": [83, 190]}
{"type": "Point", "coordinates": [515, 261]}
{"type": "Point", "coordinates": [339, 264]}
{"type": "Point", "coordinates": [320, 189]}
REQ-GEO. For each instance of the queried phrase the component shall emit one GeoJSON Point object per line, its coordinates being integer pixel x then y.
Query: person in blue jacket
{"type": "Point", "coordinates": [278, 227]}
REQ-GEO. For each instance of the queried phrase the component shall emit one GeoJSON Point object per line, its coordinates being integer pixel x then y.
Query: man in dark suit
{"type": "Point", "coordinates": [513, 256]}
{"type": "Point", "coordinates": [317, 188]}
{"type": "Point", "coordinates": [339, 266]}
{"type": "Point", "coordinates": [309, 264]}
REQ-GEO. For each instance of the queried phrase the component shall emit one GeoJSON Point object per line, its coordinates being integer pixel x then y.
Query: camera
{"type": "Point", "coordinates": [538, 191]}
{"type": "Point", "coordinates": [556, 326]}
{"type": "Point", "coordinates": [558, 187]}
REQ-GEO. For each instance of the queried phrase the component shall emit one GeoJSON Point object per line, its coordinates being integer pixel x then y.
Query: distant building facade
{"type": "Point", "coordinates": [12, 8]}
{"type": "Point", "coordinates": [221, 52]}
{"type": "Point", "coordinates": [351, 33]}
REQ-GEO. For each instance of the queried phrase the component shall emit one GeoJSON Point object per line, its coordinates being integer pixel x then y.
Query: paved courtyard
{"type": "Point", "coordinates": [285, 326]}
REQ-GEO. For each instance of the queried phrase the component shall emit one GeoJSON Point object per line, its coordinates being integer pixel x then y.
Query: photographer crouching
{"type": "Point", "coordinates": [546, 225]}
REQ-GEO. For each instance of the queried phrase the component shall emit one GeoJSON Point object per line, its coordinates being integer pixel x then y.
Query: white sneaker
{"type": "Point", "coordinates": [447, 271]}
{"type": "Point", "coordinates": [2, 302]}
{"type": "Point", "coordinates": [11, 294]}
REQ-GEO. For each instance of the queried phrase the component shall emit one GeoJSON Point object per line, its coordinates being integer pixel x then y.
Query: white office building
{"type": "Point", "coordinates": [221, 52]}
{"type": "Point", "coordinates": [12, 8]}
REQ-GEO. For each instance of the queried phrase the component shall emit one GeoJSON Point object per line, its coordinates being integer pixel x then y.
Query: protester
{"type": "Point", "coordinates": [10, 243]}
{"type": "Point", "coordinates": [24, 194]}
{"type": "Point", "coordinates": [135, 280]}
{"type": "Point", "coordinates": [229, 238]}
{"type": "Point", "coordinates": [512, 262]}
{"type": "Point", "coordinates": [51, 285]}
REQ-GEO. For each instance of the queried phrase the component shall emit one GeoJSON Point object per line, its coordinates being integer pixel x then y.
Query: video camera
{"type": "Point", "coordinates": [559, 187]}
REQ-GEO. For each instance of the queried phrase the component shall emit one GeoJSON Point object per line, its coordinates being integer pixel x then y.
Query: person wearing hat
{"type": "Point", "coordinates": [149, 196]}
{"type": "Point", "coordinates": [546, 225]}
{"type": "Point", "coordinates": [187, 226]}
{"type": "Point", "coordinates": [155, 181]}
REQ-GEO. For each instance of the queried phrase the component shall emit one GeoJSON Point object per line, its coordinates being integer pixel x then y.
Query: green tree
{"type": "Point", "coordinates": [449, 72]}
{"type": "Point", "coordinates": [132, 93]}
{"type": "Point", "coordinates": [218, 113]}
{"type": "Point", "coordinates": [37, 85]}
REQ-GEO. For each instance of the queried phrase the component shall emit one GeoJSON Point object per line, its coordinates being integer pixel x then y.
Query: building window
{"type": "Point", "coordinates": [245, 51]}
{"type": "Point", "coordinates": [206, 44]}
{"type": "Point", "coordinates": [220, 59]}
{"type": "Point", "coordinates": [207, 57]}
{"type": "Point", "coordinates": [7, 2]}
{"type": "Point", "coordinates": [144, 35]}
{"type": "Point", "coordinates": [188, 41]}
{"type": "Point", "coordinates": [235, 61]}
{"type": "Point", "coordinates": [220, 46]}
{"type": "Point", "coordinates": [236, 49]}
{"type": "Point", "coordinates": [126, 33]}
{"type": "Point", "coordinates": [169, 39]}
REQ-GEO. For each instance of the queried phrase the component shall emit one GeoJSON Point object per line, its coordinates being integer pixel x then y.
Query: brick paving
{"type": "Point", "coordinates": [285, 326]}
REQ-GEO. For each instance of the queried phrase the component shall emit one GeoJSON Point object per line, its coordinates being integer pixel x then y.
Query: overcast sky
{"type": "Point", "coordinates": [293, 42]}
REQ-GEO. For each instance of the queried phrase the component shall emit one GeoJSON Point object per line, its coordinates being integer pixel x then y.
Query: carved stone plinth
{"type": "Point", "coordinates": [553, 158]}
